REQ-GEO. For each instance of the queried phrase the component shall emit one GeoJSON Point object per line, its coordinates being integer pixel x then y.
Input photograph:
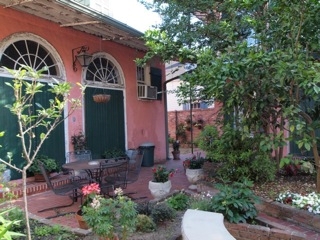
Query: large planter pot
{"type": "Point", "coordinates": [176, 155]}
{"type": "Point", "coordinates": [158, 190]}
{"type": "Point", "coordinates": [193, 176]}
{"type": "Point", "coordinates": [82, 223]}
{"type": "Point", "coordinates": [38, 177]}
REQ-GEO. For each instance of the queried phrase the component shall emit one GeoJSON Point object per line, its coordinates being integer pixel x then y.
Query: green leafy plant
{"type": "Point", "coordinates": [6, 225]}
{"type": "Point", "coordinates": [235, 201]}
{"type": "Point", "coordinates": [107, 216]}
{"type": "Point", "coordinates": [179, 201]}
{"type": "Point", "coordinates": [200, 201]}
{"type": "Point", "coordinates": [161, 212]}
{"type": "Point", "coordinates": [195, 162]}
{"type": "Point", "coordinates": [49, 164]}
{"type": "Point", "coordinates": [112, 153]}
{"type": "Point", "coordinates": [161, 174]}
{"type": "Point", "coordinates": [145, 223]}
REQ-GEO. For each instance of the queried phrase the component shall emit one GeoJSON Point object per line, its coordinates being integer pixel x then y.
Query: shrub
{"type": "Point", "coordinates": [145, 223]}
{"type": "Point", "coordinates": [179, 201]}
{"type": "Point", "coordinates": [240, 156]}
{"type": "Point", "coordinates": [142, 208]}
{"type": "Point", "coordinates": [200, 201]}
{"type": "Point", "coordinates": [235, 202]}
{"type": "Point", "coordinates": [161, 212]}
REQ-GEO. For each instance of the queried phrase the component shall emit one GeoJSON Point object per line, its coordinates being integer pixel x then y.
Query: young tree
{"type": "Point", "coordinates": [43, 119]}
{"type": "Point", "coordinates": [258, 57]}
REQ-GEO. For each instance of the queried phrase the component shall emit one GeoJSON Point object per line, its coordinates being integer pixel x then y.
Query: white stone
{"type": "Point", "coordinates": [197, 224]}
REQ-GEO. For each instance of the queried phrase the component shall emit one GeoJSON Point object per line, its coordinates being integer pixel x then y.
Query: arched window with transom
{"type": "Point", "coordinates": [33, 51]}
{"type": "Point", "coordinates": [104, 71]}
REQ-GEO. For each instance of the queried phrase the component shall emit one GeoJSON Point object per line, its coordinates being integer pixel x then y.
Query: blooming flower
{"type": "Point", "coordinates": [310, 202]}
{"type": "Point", "coordinates": [161, 174]}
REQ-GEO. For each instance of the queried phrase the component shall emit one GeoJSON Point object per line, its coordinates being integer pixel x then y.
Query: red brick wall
{"type": "Point", "coordinates": [207, 115]}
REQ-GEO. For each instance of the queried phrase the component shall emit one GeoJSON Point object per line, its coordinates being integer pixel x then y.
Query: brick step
{"type": "Point", "coordinates": [33, 187]}
{"type": "Point", "coordinates": [273, 222]}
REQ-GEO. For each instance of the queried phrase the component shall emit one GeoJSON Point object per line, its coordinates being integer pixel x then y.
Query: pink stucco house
{"type": "Point", "coordinates": [51, 33]}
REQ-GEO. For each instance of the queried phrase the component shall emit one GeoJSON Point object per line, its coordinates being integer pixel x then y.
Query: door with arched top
{"type": "Point", "coordinates": [33, 51]}
{"type": "Point", "coordinates": [104, 122]}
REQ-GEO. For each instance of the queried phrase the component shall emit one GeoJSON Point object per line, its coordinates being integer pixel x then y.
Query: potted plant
{"type": "Point", "coordinates": [193, 169]}
{"type": "Point", "coordinates": [49, 164]}
{"type": "Point", "coordinates": [176, 150]}
{"type": "Point", "coordinates": [79, 142]}
{"type": "Point", "coordinates": [109, 218]}
{"type": "Point", "coordinates": [160, 185]}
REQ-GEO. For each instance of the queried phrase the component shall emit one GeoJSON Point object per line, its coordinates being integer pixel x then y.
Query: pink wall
{"type": "Point", "coordinates": [145, 119]}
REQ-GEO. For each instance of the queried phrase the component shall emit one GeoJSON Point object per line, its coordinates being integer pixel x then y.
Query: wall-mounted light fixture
{"type": "Point", "coordinates": [80, 54]}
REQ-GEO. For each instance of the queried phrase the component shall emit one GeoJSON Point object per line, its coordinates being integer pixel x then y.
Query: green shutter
{"type": "Point", "coordinates": [156, 80]}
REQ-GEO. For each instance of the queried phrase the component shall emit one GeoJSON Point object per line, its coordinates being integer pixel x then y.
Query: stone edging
{"type": "Point", "coordinates": [288, 213]}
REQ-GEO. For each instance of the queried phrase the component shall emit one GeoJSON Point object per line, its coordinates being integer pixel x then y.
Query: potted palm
{"type": "Point", "coordinates": [49, 164]}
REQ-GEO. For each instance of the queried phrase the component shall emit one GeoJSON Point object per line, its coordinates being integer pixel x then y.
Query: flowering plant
{"type": "Point", "coordinates": [161, 174]}
{"type": "Point", "coordinates": [108, 216]}
{"type": "Point", "coordinates": [308, 202]}
{"type": "Point", "coordinates": [195, 162]}
{"type": "Point", "coordinates": [89, 193]}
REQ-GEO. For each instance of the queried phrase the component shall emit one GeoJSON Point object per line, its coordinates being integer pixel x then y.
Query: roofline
{"type": "Point", "coordinates": [102, 17]}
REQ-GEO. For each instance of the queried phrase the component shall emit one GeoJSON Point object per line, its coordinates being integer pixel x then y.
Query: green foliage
{"type": "Point", "coordinates": [257, 58]}
{"type": "Point", "coordinates": [46, 231]}
{"type": "Point", "coordinates": [179, 201]}
{"type": "Point", "coordinates": [49, 164]}
{"type": "Point", "coordinates": [6, 225]}
{"type": "Point", "coordinates": [235, 202]}
{"type": "Point", "coordinates": [161, 212]}
{"type": "Point", "coordinates": [239, 155]}
{"type": "Point", "coordinates": [79, 141]}
{"type": "Point", "coordinates": [200, 201]}
{"type": "Point", "coordinates": [145, 223]}
{"type": "Point", "coordinates": [114, 152]}
{"type": "Point", "coordinates": [161, 174]}
{"type": "Point", "coordinates": [106, 216]}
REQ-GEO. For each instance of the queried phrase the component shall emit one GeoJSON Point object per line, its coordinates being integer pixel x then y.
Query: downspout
{"type": "Point", "coordinates": [166, 114]}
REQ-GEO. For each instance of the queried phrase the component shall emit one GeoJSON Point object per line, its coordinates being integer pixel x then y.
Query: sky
{"type": "Point", "coordinates": [133, 14]}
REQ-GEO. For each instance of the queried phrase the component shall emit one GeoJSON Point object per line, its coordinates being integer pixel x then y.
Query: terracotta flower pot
{"type": "Point", "coordinates": [82, 223]}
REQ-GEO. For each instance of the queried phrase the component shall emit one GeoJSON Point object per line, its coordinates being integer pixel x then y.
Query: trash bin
{"type": "Point", "coordinates": [148, 156]}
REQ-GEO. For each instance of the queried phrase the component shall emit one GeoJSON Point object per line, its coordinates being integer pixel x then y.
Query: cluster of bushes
{"type": "Point", "coordinates": [235, 201]}
{"type": "Point", "coordinates": [239, 156]}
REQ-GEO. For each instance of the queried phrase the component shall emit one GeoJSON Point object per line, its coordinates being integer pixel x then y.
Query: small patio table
{"type": "Point", "coordinates": [92, 167]}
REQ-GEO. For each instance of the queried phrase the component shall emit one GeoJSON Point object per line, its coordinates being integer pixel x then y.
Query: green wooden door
{"type": "Point", "coordinates": [104, 122]}
{"type": "Point", "coordinates": [53, 147]}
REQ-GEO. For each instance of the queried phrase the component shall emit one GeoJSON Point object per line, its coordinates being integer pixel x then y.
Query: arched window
{"type": "Point", "coordinates": [104, 71]}
{"type": "Point", "coordinates": [32, 51]}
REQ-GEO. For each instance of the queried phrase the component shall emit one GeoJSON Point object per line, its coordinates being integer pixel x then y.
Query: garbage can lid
{"type": "Point", "coordinates": [147, 144]}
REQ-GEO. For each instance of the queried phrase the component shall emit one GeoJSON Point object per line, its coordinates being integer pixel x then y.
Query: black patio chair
{"type": "Point", "coordinates": [113, 175]}
{"type": "Point", "coordinates": [134, 169]}
{"type": "Point", "coordinates": [82, 155]}
{"type": "Point", "coordinates": [71, 189]}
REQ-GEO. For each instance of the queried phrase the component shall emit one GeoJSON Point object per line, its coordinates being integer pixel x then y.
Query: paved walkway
{"type": "Point", "coordinates": [179, 181]}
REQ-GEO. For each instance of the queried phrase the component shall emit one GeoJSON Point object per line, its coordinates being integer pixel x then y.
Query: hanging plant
{"type": "Point", "coordinates": [101, 98]}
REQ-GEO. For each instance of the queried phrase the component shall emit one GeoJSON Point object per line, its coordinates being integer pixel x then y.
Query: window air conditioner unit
{"type": "Point", "coordinates": [147, 92]}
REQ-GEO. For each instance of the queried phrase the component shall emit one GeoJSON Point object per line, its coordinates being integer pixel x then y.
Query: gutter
{"type": "Point", "coordinates": [101, 17]}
